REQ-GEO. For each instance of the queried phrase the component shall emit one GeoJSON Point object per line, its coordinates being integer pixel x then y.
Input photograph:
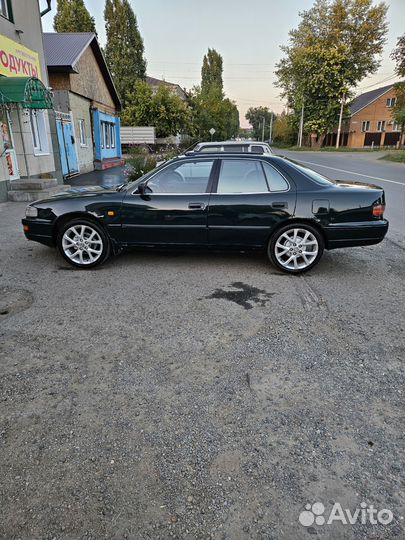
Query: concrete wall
{"type": "Point", "coordinates": [80, 108]}
{"type": "Point", "coordinates": [28, 21]}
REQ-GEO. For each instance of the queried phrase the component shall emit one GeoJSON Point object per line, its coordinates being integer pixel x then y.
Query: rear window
{"type": "Point", "coordinates": [236, 148]}
{"type": "Point", "coordinates": [210, 149]}
{"type": "Point", "coordinates": [312, 175]}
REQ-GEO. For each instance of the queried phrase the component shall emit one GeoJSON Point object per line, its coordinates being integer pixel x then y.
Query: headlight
{"type": "Point", "coordinates": [31, 211]}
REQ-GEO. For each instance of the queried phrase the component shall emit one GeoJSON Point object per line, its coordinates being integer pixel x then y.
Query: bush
{"type": "Point", "coordinates": [139, 163]}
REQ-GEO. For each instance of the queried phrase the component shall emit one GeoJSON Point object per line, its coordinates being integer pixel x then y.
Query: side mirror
{"type": "Point", "coordinates": [141, 188]}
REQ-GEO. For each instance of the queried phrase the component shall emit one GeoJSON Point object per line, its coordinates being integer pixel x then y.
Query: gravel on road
{"type": "Point", "coordinates": [198, 395]}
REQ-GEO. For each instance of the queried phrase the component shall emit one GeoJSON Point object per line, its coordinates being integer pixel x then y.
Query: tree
{"type": "Point", "coordinates": [164, 110]}
{"type": "Point", "coordinates": [256, 116]}
{"type": "Point", "coordinates": [210, 107]}
{"type": "Point", "coordinates": [211, 72]}
{"type": "Point", "coordinates": [124, 50]}
{"type": "Point", "coordinates": [284, 129]}
{"type": "Point", "coordinates": [398, 55]}
{"type": "Point", "coordinates": [335, 46]}
{"type": "Point", "coordinates": [72, 16]}
{"type": "Point", "coordinates": [398, 111]}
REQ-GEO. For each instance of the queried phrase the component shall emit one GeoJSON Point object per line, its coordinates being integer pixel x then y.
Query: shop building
{"type": "Point", "coordinates": [86, 103]}
{"type": "Point", "coordinates": [29, 167]}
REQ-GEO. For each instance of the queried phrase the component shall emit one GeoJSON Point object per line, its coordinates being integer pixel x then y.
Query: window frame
{"type": "Point", "coordinates": [112, 135]}
{"type": "Point", "coordinates": [391, 102]}
{"type": "Point", "coordinates": [211, 178]}
{"type": "Point", "coordinates": [39, 133]}
{"type": "Point", "coordinates": [8, 15]}
{"type": "Point", "coordinates": [381, 125]}
{"type": "Point", "coordinates": [82, 132]}
{"type": "Point", "coordinates": [368, 124]}
{"type": "Point", "coordinates": [261, 161]}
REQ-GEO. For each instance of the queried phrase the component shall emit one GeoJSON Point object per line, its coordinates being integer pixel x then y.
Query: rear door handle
{"type": "Point", "coordinates": [279, 205]}
{"type": "Point", "coordinates": [196, 206]}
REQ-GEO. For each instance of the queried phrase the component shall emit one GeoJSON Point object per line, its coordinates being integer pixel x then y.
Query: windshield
{"type": "Point", "coordinates": [311, 174]}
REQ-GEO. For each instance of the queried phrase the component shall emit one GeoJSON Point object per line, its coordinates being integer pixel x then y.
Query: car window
{"type": "Point", "coordinates": [256, 149]}
{"type": "Point", "coordinates": [186, 177]}
{"type": "Point", "coordinates": [275, 180]}
{"type": "Point", "coordinates": [210, 149]}
{"type": "Point", "coordinates": [235, 148]}
{"type": "Point", "coordinates": [241, 176]}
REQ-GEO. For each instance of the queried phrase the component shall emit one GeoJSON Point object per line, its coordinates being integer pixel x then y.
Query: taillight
{"type": "Point", "coordinates": [378, 210]}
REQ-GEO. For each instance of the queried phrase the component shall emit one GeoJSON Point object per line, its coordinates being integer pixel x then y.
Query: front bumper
{"type": "Point", "coordinates": [39, 230]}
{"type": "Point", "coordinates": [362, 233]}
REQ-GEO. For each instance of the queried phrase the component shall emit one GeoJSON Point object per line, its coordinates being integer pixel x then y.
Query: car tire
{"type": "Point", "coordinates": [296, 248]}
{"type": "Point", "coordinates": [83, 243]}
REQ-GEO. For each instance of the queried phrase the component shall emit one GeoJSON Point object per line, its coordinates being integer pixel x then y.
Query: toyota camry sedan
{"type": "Point", "coordinates": [214, 201]}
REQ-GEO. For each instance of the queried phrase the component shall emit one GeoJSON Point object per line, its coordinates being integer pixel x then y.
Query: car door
{"type": "Point", "coordinates": [173, 208]}
{"type": "Point", "coordinates": [250, 197]}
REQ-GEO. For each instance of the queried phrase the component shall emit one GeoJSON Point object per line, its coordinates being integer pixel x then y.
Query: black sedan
{"type": "Point", "coordinates": [223, 202]}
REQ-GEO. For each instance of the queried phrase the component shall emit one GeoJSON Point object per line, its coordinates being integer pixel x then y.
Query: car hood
{"type": "Point", "coordinates": [80, 191]}
{"type": "Point", "coordinates": [351, 184]}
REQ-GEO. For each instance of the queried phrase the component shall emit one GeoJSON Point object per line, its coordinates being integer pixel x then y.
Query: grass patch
{"type": "Point", "coordinates": [395, 155]}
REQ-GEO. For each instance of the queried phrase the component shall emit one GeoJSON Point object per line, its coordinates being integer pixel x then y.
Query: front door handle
{"type": "Point", "coordinates": [196, 206]}
{"type": "Point", "coordinates": [279, 205]}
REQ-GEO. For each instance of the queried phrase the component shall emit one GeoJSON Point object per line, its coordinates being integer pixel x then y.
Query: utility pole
{"type": "Point", "coordinates": [271, 128]}
{"type": "Point", "coordinates": [340, 121]}
{"type": "Point", "coordinates": [264, 121]}
{"type": "Point", "coordinates": [301, 129]}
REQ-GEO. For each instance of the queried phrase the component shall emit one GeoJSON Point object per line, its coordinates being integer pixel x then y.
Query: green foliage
{"type": "Point", "coordinates": [211, 110]}
{"type": "Point", "coordinates": [398, 156]}
{"type": "Point", "coordinates": [139, 162]}
{"type": "Point", "coordinates": [336, 44]}
{"type": "Point", "coordinates": [284, 132]}
{"type": "Point", "coordinates": [124, 50]}
{"type": "Point", "coordinates": [398, 55]}
{"type": "Point", "coordinates": [211, 73]}
{"type": "Point", "coordinates": [163, 109]}
{"type": "Point", "coordinates": [398, 111]}
{"type": "Point", "coordinates": [256, 116]}
{"type": "Point", "coordinates": [72, 16]}
{"type": "Point", "coordinates": [210, 107]}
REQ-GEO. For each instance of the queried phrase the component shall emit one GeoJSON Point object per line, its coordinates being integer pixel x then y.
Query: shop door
{"type": "Point", "coordinates": [7, 146]}
{"type": "Point", "coordinates": [67, 143]}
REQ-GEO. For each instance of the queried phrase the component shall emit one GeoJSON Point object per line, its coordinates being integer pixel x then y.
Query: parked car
{"type": "Point", "coordinates": [234, 147]}
{"type": "Point", "coordinates": [240, 202]}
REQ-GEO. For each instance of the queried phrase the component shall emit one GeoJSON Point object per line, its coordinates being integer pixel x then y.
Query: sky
{"type": "Point", "coordinates": [248, 34]}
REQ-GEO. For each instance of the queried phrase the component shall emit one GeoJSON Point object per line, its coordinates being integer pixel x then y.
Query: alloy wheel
{"type": "Point", "coordinates": [82, 244]}
{"type": "Point", "coordinates": [296, 249]}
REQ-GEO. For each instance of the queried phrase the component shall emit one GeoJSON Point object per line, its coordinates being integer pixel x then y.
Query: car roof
{"type": "Point", "coordinates": [221, 155]}
{"type": "Point", "coordinates": [238, 143]}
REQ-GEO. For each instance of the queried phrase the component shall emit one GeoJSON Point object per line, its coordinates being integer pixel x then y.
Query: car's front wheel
{"type": "Point", "coordinates": [296, 248]}
{"type": "Point", "coordinates": [83, 244]}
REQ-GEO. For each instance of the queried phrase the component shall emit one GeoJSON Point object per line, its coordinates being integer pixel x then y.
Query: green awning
{"type": "Point", "coordinates": [28, 91]}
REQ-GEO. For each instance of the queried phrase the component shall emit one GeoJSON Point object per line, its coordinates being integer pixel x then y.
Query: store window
{"type": "Point", "coordinates": [38, 130]}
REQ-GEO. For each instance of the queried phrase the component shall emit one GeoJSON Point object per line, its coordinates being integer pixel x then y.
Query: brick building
{"type": "Point", "coordinates": [370, 122]}
{"type": "Point", "coordinates": [85, 100]}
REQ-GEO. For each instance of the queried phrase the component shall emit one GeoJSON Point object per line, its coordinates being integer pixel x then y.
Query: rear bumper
{"type": "Point", "coordinates": [363, 233]}
{"type": "Point", "coordinates": [39, 230]}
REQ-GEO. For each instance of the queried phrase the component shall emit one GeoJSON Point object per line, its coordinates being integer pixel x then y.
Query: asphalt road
{"type": "Point", "coordinates": [362, 167]}
{"type": "Point", "coordinates": [198, 396]}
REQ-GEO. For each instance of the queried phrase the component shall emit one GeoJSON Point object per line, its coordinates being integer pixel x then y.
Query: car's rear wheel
{"type": "Point", "coordinates": [296, 248]}
{"type": "Point", "coordinates": [83, 244]}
